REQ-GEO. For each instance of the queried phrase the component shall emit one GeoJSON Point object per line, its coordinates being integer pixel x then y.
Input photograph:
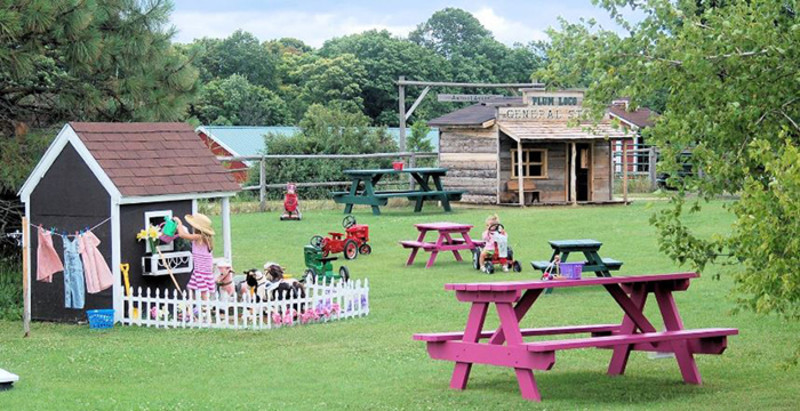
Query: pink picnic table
{"type": "Point", "coordinates": [445, 242]}
{"type": "Point", "coordinates": [512, 301]}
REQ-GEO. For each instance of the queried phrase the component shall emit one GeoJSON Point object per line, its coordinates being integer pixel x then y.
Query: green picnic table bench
{"type": "Point", "coordinates": [428, 180]}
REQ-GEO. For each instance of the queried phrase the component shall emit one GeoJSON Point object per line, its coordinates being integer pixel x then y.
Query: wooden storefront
{"type": "Point", "coordinates": [528, 151]}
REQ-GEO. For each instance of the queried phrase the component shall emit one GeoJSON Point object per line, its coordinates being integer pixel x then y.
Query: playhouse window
{"type": "Point", "coordinates": [534, 163]}
{"type": "Point", "coordinates": [155, 218]}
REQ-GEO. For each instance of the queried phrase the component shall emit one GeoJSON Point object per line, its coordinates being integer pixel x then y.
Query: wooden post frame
{"type": "Point", "coordinates": [520, 178]}
{"type": "Point", "coordinates": [573, 179]}
{"type": "Point", "coordinates": [262, 184]}
{"type": "Point", "coordinates": [624, 171]}
{"type": "Point", "coordinates": [652, 159]}
{"type": "Point", "coordinates": [226, 229]}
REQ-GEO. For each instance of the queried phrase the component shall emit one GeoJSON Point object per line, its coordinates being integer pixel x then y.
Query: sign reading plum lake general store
{"type": "Point", "coordinates": [559, 106]}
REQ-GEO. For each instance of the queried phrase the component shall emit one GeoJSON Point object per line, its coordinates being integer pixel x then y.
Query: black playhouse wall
{"type": "Point", "coordinates": [131, 222]}
{"type": "Point", "coordinates": [69, 197]}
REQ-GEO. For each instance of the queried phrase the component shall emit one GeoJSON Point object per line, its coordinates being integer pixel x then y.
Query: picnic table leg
{"type": "Point", "coordinates": [414, 251]}
{"type": "Point", "coordinates": [348, 208]}
{"type": "Point", "coordinates": [445, 201]}
{"type": "Point", "coordinates": [592, 258]}
{"type": "Point", "coordinates": [418, 205]}
{"type": "Point", "coordinates": [523, 305]}
{"type": "Point", "coordinates": [435, 251]}
{"type": "Point", "coordinates": [673, 322]}
{"type": "Point", "coordinates": [450, 241]}
{"type": "Point", "coordinates": [619, 359]}
{"type": "Point", "coordinates": [369, 191]}
{"type": "Point", "coordinates": [510, 325]}
{"type": "Point", "coordinates": [477, 315]}
{"type": "Point", "coordinates": [423, 185]}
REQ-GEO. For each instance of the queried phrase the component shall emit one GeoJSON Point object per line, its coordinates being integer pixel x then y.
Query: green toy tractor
{"type": "Point", "coordinates": [319, 267]}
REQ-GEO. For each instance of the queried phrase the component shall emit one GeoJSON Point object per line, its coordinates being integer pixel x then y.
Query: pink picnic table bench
{"type": "Point", "coordinates": [445, 242]}
{"type": "Point", "coordinates": [512, 301]}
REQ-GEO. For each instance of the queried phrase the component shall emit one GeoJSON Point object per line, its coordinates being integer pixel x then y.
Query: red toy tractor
{"type": "Point", "coordinates": [507, 262]}
{"type": "Point", "coordinates": [290, 209]}
{"type": "Point", "coordinates": [353, 242]}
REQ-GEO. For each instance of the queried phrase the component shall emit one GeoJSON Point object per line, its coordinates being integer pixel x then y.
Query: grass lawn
{"type": "Point", "coordinates": [372, 363]}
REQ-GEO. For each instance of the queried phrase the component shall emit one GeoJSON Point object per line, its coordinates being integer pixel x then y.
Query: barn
{"type": "Point", "coordinates": [114, 179]}
{"type": "Point", "coordinates": [524, 151]}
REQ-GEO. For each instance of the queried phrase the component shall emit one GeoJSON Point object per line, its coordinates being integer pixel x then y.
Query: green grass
{"type": "Point", "coordinates": [372, 363]}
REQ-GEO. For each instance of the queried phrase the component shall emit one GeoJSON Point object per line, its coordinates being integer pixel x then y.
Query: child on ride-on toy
{"type": "Point", "coordinates": [493, 228]}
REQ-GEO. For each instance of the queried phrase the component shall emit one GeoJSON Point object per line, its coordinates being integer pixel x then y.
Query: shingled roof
{"type": "Point", "coordinates": [149, 159]}
{"type": "Point", "coordinates": [643, 117]}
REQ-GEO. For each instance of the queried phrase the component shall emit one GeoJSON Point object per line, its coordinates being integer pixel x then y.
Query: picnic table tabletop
{"type": "Point", "coordinates": [512, 300]}
{"type": "Point", "coordinates": [374, 171]}
{"type": "Point", "coordinates": [443, 226]}
{"type": "Point", "coordinates": [575, 244]}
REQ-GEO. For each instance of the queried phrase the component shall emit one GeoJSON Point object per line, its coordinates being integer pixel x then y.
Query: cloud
{"type": "Point", "coordinates": [508, 31]}
{"type": "Point", "coordinates": [312, 28]}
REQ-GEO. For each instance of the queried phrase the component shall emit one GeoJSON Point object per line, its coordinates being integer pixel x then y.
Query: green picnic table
{"type": "Point", "coordinates": [602, 267]}
{"type": "Point", "coordinates": [428, 181]}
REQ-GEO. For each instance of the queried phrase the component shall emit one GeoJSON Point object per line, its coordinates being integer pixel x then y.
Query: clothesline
{"type": "Point", "coordinates": [73, 235]}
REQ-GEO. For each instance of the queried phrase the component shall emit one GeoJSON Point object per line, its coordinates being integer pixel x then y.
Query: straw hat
{"type": "Point", "coordinates": [222, 262]}
{"type": "Point", "coordinates": [200, 222]}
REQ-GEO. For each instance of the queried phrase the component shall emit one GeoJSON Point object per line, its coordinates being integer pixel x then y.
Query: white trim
{"type": "Point", "coordinates": [227, 148]}
{"type": "Point", "coordinates": [66, 135]}
{"type": "Point", "coordinates": [634, 127]}
{"type": "Point", "coordinates": [174, 197]}
{"type": "Point", "coordinates": [116, 260]}
{"type": "Point", "coordinates": [157, 213]}
{"type": "Point", "coordinates": [194, 206]}
{"type": "Point", "coordinates": [226, 229]}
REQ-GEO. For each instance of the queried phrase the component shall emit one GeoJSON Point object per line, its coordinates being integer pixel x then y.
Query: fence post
{"type": "Point", "coordinates": [625, 171]}
{"type": "Point", "coordinates": [262, 183]}
{"type": "Point", "coordinates": [652, 158]}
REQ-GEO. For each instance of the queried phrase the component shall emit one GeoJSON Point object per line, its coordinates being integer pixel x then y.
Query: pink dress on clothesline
{"type": "Point", "coordinates": [47, 260]}
{"type": "Point", "coordinates": [95, 269]}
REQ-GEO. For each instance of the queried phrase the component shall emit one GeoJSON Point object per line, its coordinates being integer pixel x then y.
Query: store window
{"type": "Point", "coordinates": [534, 163]}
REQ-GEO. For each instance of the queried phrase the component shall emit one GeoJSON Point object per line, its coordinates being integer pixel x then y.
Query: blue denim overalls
{"type": "Point", "coordinates": [74, 289]}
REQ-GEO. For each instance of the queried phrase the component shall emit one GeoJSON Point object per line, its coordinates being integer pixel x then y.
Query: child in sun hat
{"type": "Point", "coordinates": [202, 239]}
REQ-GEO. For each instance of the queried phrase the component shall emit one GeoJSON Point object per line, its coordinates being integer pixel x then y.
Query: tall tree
{"type": "Point", "coordinates": [234, 101]}
{"type": "Point", "coordinates": [327, 81]}
{"type": "Point", "coordinates": [82, 60]}
{"type": "Point", "coordinates": [240, 53]}
{"type": "Point", "coordinates": [450, 31]}
{"type": "Point", "coordinates": [728, 73]}
{"type": "Point", "coordinates": [385, 58]}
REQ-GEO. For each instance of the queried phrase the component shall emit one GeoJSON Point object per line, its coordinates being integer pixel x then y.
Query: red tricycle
{"type": "Point", "coordinates": [497, 231]}
{"type": "Point", "coordinates": [353, 242]}
{"type": "Point", "coordinates": [291, 211]}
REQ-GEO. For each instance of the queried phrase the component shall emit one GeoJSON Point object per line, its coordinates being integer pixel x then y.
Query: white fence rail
{"type": "Point", "coordinates": [322, 303]}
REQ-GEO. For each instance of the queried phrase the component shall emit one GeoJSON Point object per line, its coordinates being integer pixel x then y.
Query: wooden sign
{"type": "Point", "coordinates": [557, 106]}
{"type": "Point", "coordinates": [466, 97]}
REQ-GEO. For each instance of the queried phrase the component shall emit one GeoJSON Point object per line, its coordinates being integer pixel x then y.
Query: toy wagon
{"type": "Point", "coordinates": [319, 266]}
{"type": "Point", "coordinates": [352, 242]}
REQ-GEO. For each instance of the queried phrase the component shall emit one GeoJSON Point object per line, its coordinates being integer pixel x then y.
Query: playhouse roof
{"type": "Point", "coordinates": [147, 159]}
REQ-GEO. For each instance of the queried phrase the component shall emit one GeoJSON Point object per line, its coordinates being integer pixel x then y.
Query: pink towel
{"type": "Point", "coordinates": [47, 260]}
{"type": "Point", "coordinates": [95, 269]}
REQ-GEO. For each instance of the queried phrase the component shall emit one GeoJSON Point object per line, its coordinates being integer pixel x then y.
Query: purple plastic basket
{"type": "Point", "coordinates": [572, 271]}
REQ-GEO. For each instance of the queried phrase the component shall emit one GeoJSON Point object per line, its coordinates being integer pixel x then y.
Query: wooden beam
{"type": "Point", "coordinates": [625, 171]}
{"type": "Point", "coordinates": [417, 101]}
{"type": "Point", "coordinates": [610, 170]}
{"type": "Point", "coordinates": [403, 82]}
{"type": "Point", "coordinates": [327, 156]}
{"type": "Point", "coordinates": [401, 101]}
{"type": "Point", "coordinates": [521, 191]}
{"type": "Point", "coordinates": [573, 179]}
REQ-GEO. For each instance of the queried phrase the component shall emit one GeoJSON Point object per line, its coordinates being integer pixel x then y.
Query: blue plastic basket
{"type": "Point", "coordinates": [101, 318]}
{"type": "Point", "coordinates": [572, 271]}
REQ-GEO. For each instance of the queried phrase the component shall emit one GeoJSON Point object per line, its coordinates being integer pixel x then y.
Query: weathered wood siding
{"type": "Point", "coordinates": [601, 185]}
{"type": "Point", "coordinates": [552, 188]}
{"type": "Point", "coordinates": [471, 156]}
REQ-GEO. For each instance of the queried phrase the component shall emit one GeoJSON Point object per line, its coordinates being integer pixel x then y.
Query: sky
{"type": "Point", "coordinates": [315, 21]}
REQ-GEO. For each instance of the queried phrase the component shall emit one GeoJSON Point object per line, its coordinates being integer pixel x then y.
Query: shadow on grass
{"type": "Point", "coordinates": [589, 388]}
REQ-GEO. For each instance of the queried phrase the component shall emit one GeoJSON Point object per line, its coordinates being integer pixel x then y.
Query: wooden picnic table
{"type": "Point", "coordinates": [429, 189]}
{"type": "Point", "coordinates": [602, 267]}
{"type": "Point", "coordinates": [512, 301]}
{"type": "Point", "coordinates": [445, 242]}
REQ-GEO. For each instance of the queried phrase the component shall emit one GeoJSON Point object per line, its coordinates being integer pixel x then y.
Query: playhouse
{"type": "Point", "coordinates": [527, 150]}
{"type": "Point", "coordinates": [114, 179]}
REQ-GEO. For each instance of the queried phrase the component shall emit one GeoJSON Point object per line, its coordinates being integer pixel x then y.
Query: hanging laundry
{"type": "Point", "coordinates": [98, 275]}
{"type": "Point", "coordinates": [74, 292]}
{"type": "Point", "coordinates": [47, 260]}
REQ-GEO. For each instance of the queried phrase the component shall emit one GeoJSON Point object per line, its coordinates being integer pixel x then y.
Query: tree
{"type": "Point", "coordinates": [234, 101]}
{"type": "Point", "coordinates": [326, 81]}
{"type": "Point", "coordinates": [327, 130]}
{"type": "Point", "coordinates": [450, 31]}
{"type": "Point", "coordinates": [728, 74]}
{"type": "Point", "coordinates": [418, 141]}
{"type": "Point", "coordinates": [240, 53]}
{"type": "Point", "coordinates": [108, 60]}
{"type": "Point", "coordinates": [385, 58]}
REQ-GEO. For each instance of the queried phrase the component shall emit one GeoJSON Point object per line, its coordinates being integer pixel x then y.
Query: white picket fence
{"type": "Point", "coordinates": [322, 303]}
